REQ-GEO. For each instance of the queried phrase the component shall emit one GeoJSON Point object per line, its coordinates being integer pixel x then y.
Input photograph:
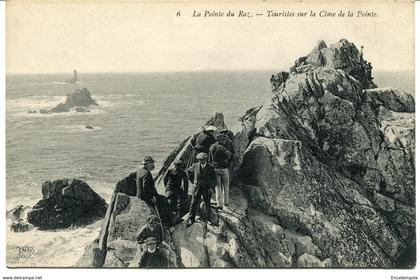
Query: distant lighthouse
{"type": "Point", "coordinates": [75, 79]}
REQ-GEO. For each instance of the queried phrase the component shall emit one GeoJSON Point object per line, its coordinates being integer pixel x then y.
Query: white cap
{"type": "Point", "coordinates": [210, 128]}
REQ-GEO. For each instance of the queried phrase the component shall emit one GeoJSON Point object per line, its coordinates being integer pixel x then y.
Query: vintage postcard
{"type": "Point", "coordinates": [200, 134]}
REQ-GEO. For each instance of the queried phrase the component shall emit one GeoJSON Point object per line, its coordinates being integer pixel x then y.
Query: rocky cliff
{"type": "Point", "coordinates": [324, 176]}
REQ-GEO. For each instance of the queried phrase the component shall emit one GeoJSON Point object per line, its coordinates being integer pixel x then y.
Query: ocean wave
{"type": "Point", "coordinates": [55, 248]}
{"type": "Point", "coordinates": [33, 103]}
{"type": "Point", "coordinates": [52, 248]}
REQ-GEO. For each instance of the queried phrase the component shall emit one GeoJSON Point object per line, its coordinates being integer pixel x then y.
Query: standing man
{"type": "Point", "coordinates": [203, 177]}
{"type": "Point", "coordinates": [146, 191]}
{"type": "Point", "coordinates": [176, 184]}
{"type": "Point", "coordinates": [220, 157]}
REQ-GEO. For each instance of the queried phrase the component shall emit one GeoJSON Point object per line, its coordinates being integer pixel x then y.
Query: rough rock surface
{"type": "Point", "coordinates": [17, 213]}
{"type": "Point", "coordinates": [21, 226]}
{"type": "Point", "coordinates": [80, 99]}
{"type": "Point", "coordinates": [66, 202]}
{"type": "Point", "coordinates": [18, 216]}
{"type": "Point", "coordinates": [323, 176]}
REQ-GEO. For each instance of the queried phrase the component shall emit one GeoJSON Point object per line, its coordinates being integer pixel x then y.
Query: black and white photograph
{"type": "Point", "coordinates": [221, 135]}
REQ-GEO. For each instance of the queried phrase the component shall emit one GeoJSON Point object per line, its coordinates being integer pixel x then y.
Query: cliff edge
{"type": "Point", "coordinates": [324, 176]}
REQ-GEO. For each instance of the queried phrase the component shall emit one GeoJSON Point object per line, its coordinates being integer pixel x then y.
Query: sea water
{"type": "Point", "coordinates": [138, 115]}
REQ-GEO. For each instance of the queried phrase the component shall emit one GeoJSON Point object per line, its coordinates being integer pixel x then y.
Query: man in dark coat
{"type": "Point", "coordinates": [145, 184]}
{"type": "Point", "coordinates": [203, 177]}
{"type": "Point", "coordinates": [228, 143]}
{"type": "Point", "coordinates": [146, 191]}
{"type": "Point", "coordinates": [201, 143]}
{"type": "Point", "coordinates": [220, 158]}
{"type": "Point", "coordinates": [176, 187]}
{"type": "Point", "coordinates": [152, 257]}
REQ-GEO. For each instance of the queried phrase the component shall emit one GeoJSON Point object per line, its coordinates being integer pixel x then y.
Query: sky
{"type": "Point", "coordinates": [51, 37]}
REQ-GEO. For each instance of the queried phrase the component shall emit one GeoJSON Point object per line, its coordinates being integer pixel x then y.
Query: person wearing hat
{"type": "Point", "coordinates": [146, 191]}
{"type": "Point", "coordinates": [176, 187]}
{"type": "Point", "coordinates": [152, 257]}
{"type": "Point", "coordinates": [201, 142]}
{"type": "Point", "coordinates": [145, 184]}
{"type": "Point", "coordinates": [150, 229]}
{"type": "Point", "coordinates": [219, 158]}
{"type": "Point", "coordinates": [203, 178]}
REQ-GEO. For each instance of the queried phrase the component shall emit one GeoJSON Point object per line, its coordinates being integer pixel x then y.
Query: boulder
{"type": "Point", "coordinates": [307, 260]}
{"type": "Point", "coordinates": [81, 109]}
{"type": "Point", "coordinates": [66, 202]}
{"type": "Point", "coordinates": [18, 216]}
{"type": "Point", "coordinates": [60, 108]}
{"type": "Point", "coordinates": [17, 213]}
{"type": "Point", "coordinates": [21, 226]}
{"type": "Point", "coordinates": [79, 98]}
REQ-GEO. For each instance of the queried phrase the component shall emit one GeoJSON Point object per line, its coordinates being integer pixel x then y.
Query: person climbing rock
{"type": "Point", "coordinates": [152, 257]}
{"type": "Point", "coordinates": [219, 158]}
{"type": "Point", "coordinates": [150, 229]}
{"type": "Point", "coordinates": [146, 191]}
{"type": "Point", "coordinates": [176, 187]}
{"type": "Point", "coordinates": [203, 177]}
{"type": "Point", "coordinates": [201, 143]}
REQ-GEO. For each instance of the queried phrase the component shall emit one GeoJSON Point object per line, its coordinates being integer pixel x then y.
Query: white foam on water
{"type": "Point", "coordinates": [52, 248]}
{"type": "Point", "coordinates": [58, 248]}
{"type": "Point", "coordinates": [37, 103]}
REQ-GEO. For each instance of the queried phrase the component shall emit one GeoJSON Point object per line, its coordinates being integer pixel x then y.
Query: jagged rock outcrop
{"type": "Point", "coordinates": [323, 176]}
{"type": "Point", "coordinates": [342, 55]}
{"type": "Point", "coordinates": [66, 202]}
{"type": "Point", "coordinates": [333, 160]}
{"type": "Point", "coordinates": [18, 215]}
{"type": "Point", "coordinates": [80, 99]}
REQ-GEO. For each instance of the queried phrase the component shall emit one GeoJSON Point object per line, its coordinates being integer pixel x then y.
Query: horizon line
{"type": "Point", "coordinates": [178, 71]}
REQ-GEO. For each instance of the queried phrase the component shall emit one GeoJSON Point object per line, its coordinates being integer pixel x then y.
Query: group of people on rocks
{"type": "Point", "coordinates": [207, 169]}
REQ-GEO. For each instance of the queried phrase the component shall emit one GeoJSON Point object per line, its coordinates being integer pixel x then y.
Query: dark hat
{"type": "Point", "coordinates": [152, 218]}
{"type": "Point", "coordinates": [151, 240]}
{"type": "Point", "coordinates": [147, 159]}
{"type": "Point", "coordinates": [178, 162]}
{"type": "Point", "coordinates": [201, 156]}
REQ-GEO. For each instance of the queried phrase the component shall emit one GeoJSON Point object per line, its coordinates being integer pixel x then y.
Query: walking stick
{"type": "Point", "coordinates": [205, 214]}
{"type": "Point", "coordinates": [160, 221]}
